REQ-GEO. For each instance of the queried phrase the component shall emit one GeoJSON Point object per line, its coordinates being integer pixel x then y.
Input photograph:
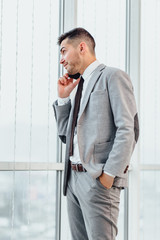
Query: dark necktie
{"type": "Point", "coordinates": [75, 112]}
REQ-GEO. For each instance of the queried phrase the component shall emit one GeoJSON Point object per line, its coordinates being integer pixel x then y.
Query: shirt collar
{"type": "Point", "coordinates": [90, 69]}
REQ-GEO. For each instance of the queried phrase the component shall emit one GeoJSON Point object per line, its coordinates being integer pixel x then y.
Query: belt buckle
{"type": "Point", "coordinates": [77, 168]}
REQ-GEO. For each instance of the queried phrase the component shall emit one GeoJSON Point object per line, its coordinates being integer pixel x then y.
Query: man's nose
{"type": "Point", "coordinates": [61, 60]}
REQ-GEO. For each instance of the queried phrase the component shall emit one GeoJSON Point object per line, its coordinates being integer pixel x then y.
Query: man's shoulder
{"type": "Point", "coordinates": [111, 70]}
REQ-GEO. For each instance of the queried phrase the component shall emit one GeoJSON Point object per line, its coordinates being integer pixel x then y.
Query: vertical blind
{"type": "Point", "coordinates": [29, 73]}
{"type": "Point", "coordinates": [106, 20]}
{"type": "Point", "coordinates": [28, 86]}
{"type": "Point", "coordinates": [150, 119]}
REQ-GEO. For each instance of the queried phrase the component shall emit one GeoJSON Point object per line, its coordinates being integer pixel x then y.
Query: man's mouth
{"type": "Point", "coordinates": [65, 65]}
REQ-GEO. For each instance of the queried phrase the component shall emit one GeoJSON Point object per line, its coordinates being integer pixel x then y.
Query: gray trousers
{"type": "Point", "coordinates": [92, 209]}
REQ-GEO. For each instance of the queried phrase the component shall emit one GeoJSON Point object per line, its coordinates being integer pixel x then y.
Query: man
{"type": "Point", "coordinates": [100, 129]}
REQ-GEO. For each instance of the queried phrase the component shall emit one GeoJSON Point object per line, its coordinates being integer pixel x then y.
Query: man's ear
{"type": "Point", "coordinates": [82, 47]}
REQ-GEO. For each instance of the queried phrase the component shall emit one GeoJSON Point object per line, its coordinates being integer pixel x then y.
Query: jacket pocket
{"type": "Point", "coordinates": [101, 151]}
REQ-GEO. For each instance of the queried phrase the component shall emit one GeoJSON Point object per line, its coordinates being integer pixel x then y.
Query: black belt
{"type": "Point", "coordinates": [77, 167]}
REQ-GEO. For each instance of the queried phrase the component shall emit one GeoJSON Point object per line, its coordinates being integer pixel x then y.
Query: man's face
{"type": "Point", "coordinates": [70, 57]}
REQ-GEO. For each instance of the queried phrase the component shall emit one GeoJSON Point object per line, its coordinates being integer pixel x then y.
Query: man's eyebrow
{"type": "Point", "coordinates": [61, 49]}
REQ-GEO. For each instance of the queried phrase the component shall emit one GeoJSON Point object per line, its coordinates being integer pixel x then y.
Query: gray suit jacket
{"type": "Point", "coordinates": [107, 126]}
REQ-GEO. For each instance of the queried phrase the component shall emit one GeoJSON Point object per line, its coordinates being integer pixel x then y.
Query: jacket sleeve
{"type": "Point", "coordinates": [62, 115]}
{"type": "Point", "coordinates": [126, 121]}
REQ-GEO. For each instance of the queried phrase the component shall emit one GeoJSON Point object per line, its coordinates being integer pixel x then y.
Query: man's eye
{"type": "Point", "coordinates": [63, 52]}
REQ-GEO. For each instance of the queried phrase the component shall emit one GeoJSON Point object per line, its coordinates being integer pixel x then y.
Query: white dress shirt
{"type": "Point", "coordinates": [87, 75]}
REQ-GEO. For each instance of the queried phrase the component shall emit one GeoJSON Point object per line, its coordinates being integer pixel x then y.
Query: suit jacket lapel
{"type": "Point", "coordinates": [92, 82]}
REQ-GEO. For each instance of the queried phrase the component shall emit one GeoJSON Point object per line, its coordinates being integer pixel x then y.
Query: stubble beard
{"type": "Point", "coordinates": [73, 67]}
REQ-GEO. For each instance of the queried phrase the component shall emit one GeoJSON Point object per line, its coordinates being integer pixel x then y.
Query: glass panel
{"type": "Point", "coordinates": [105, 20]}
{"type": "Point", "coordinates": [65, 230]}
{"type": "Point", "coordinates": [27, 205]}
{"type": "Point", "coordinates": [150, 84]}
{"type": "Point", "coordinates": [28, 80]}
{"type": "Point", "coordinates": [149, 205]}
{"type": "Point", "coordinates": [120, 235]}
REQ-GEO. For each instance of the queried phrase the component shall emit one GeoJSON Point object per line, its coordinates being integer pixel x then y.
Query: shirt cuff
{"type": "Point", "coordinates": [63, 101]}
{"type": "Point", "coordinates": [109, 174]}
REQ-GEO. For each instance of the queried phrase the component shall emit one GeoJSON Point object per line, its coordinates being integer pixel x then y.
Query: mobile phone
{"type": "Point", "coordinates": [75, 76]}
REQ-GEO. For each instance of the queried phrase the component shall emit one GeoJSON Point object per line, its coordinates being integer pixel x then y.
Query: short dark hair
{"type": "Point", "coordinates": [79, 34]}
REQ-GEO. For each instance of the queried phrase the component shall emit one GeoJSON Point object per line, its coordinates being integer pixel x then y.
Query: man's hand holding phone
{"type": "Point", "coordinates": [66, 85]}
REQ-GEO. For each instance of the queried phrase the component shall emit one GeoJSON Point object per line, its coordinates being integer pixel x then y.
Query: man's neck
{"type": "Point", "coordinates": [87, 64]}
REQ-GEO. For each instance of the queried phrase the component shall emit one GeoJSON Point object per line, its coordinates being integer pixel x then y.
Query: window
{"type": "Point", "coordinates": [30, 189]}
{"type": "Point", "coordinates": [28, 135]}
{"type": "Point", "coordinates": [150, 118]}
